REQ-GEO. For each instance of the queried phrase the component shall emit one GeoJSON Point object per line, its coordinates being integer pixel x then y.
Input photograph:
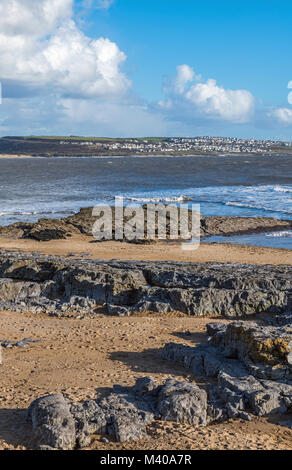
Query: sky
{"type": "Point", "coordinates": [125, 68]}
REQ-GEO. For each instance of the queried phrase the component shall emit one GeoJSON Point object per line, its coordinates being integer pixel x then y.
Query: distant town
{"type": "Point", "coordinates": [97, 146]}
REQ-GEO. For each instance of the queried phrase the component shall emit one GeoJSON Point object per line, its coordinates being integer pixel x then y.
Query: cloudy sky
{"type": "Point", "coordinates": [146, 67]}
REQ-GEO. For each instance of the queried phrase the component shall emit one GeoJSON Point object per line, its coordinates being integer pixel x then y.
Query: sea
{"type": "Point", "coordinates": [242, 185]}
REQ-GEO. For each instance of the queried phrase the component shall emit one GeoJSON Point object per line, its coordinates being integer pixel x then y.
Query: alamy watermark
{"type": "Point", "coordinates": [148, 222]}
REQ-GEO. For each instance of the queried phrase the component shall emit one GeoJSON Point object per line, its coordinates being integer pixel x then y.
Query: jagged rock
{"type": "Point", "coordinates": [226, 302]}
{"type": "Point", "coordinates": [265, 350]}
{"type": "Point", "coordinates": [224, 403]}
{"type": "Point", "coordinates": [216, 327]}
{"type": "Point", "coordinates": [145, 385]}
{"type": "Point", "coordinates": [182, 402]}
{"type": "Point", "coordinates": [49, 229]}
{"type": "Point", "coordinates": [17, 344]}
{"type": "Point", "coordinates": [52, 422]}
{"type": "Point", "coordinates": [123, 414]}
{"type": "Point", "coordinates": [118, 310]}
{"type": "Point", "coordinates": [242, 356]}
{"type": "Point", "coordinates": [89, 418]}
{"type": "Point", "coordinates": [231, 290]}
{"type": "Point", "coordinates": [266, 402]}
{"type": "Point", "coordinates": [202, 360]}
{"type": "Point", "coordinates": [125, 421]}
{"type": "Point", "coordinates": [12, 290]}
{"type": "Point", "coordinates": [83, 221]}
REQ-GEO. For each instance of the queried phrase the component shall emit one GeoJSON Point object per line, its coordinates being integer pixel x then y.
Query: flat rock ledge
{"type": "Point", "coordinates": [252, 366]}
{"type": "Point", "coordinates": [52, 285]}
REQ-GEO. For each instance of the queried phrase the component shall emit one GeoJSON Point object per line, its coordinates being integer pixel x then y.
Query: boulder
{"type": "Point", "coordinates": [182, 402]}
{"type": "Point", "coordinates": [52, 423]}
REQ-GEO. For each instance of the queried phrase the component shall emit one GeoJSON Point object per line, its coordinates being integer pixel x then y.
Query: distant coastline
{"type": "Point", "coordinates": [142, 155]}
{"type": "Point", "coordinates": [4, 155]}
{"type": "Point", "coordinates": [74, 146]}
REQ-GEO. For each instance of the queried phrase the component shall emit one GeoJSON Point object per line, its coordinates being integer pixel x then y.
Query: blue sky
{"type": "Point", "coordinates": [146, 67]}
{"type": "Point", "coordinates": [243, 44]}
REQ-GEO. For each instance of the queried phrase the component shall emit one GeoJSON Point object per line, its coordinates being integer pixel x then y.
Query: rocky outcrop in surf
{"type": "Point", "coordinates": [82, 223]}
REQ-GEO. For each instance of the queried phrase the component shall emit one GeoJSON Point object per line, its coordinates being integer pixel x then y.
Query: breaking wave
{"type": "Point", "coordinates": [161, 199]}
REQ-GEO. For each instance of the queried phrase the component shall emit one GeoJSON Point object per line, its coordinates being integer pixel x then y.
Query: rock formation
{"type": "Point", "coordinates": [252, 366]}
{"type": "Point", "coordinates": [251, 363]}
{"type": "Point", "coordinates": [83, 221]}
{"type": "Point", "coordinates": [54, 285]}
{"type": "Point", "coordinates": [123, 414]}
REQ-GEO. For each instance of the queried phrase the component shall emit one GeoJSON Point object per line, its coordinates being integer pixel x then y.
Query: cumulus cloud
{"type": "Point", "coordinates": [20, 18]}
{"type": "Point", "coordinates": [185, 74]}
{"type": "Point", "coordinates": [215, 101]}
{"type": "Point", "coordinates": [41, 45]}
{"type": "Point", "coordinates": [207, 99]}
{"type": "Point", "coordinates": [67, 82]}
{"type": "Point", "coordinates": [282, 115]}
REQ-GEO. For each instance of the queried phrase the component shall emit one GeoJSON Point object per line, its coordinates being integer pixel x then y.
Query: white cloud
{"type": "Point", "coordinates": [185, 74]}
{"type": "Point", "coordinates": [67, 82]}
{"type": "Point", "coordinates": [207, 99]}
{"type": "Point", "coordinates": [54, 115]}
{"type": "Point", "coordinates": [290, 94]}
{"type": "Point", "coordinates": [105, 4]}
{"type": "Point", "coordinates": [215, 101]}
{"type": "Point", "coordinates": [40, 45]}
{"type": "Point", "coordinates": [99, 4]}
{"type": "Point", "coordinates": [282, 115]}
{"type": "Point", "coordinates": [32, 18]}
{"type": "Point", "coordinates": [110, 118]}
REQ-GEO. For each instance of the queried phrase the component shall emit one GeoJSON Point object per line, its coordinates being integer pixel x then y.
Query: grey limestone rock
{"type": "Point", "coordinates": [182, 402]}
{"type": "Point", "coordinates": [123, 414]}
{"type": "Point", "coordinates": [125, 287]}
{"type": "Point", "coordinates": [251, 364]}
{"type": "Point", "coordinates": [52, 422]}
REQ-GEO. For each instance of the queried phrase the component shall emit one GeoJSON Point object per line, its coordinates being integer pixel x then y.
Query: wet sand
{"type": "Point", "coordinates": [85, 247]}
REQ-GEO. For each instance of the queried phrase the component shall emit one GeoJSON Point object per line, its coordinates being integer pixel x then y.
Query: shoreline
{"type": "Point", "coordinates": [8, 155]}
{"type": "Point", "coordinates": [145, 155]}
{"type": "Point", "coordinates": [81, 351]}
{"type": "Point", "coordinates": [84, 247]}
{"type": "Point", "coordinates": [73, 234]}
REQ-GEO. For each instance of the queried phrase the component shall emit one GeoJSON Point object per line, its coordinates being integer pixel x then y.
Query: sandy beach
{"type": "Point", "coordinates": [79, 246]}
{"type": "Point", "coordinates": [83, 358]}
{"type": "Point", "coordinates": [145, 229]}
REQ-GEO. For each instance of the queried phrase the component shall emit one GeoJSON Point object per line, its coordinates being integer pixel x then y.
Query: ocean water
{"type": "Point", "coordinates": [272, 239]}
{"type": "Point", "coordinates": [257, 186]}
